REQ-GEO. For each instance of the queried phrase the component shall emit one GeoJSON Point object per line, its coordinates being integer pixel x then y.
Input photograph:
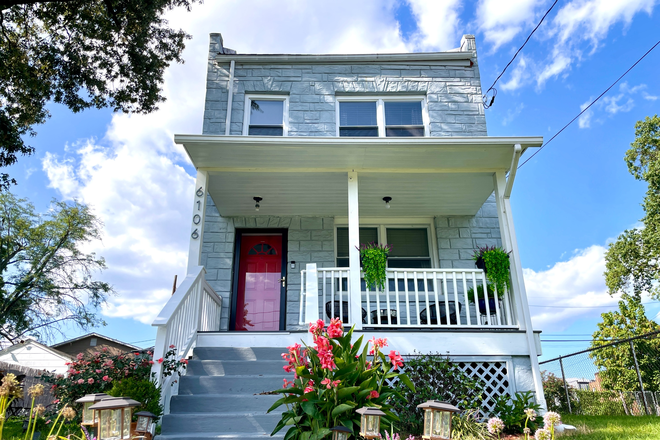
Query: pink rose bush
{"type": "Point", "coordinates": [332, 378]}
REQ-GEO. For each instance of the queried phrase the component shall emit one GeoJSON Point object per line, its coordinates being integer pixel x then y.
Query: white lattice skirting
{"type": "Point", "coordinates": [493, 373]}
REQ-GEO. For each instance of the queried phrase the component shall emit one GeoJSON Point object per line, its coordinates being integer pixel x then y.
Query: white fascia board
{"type": "Point", "coordinates": [440, 142]}
{"type": "Point", "coordinates": [453, 58]}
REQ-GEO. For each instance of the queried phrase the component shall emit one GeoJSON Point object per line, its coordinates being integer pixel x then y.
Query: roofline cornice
{"type": "Point", "coordinates": [455, 58]}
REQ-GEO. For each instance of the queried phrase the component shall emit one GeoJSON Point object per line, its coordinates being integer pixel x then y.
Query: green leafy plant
{"type": "Point", "coordinates": [480, 292]}
{"type": "Point", "coordinates": [496, 265]}
{"type": "Point", "coordinates": [332, 379]}
{"type": "Point", "coordinates": [435, 378]}
{"type": "Point", "coordinates": [374, 264]}
{"type": "Point", "coordinates": [142, 390]}
{"type": "Point", "coordinates": [555, 394]}
{"type": "Point", "coordinates": [512, 411]}
{"type": "Point", "coordinates": [466, 426]}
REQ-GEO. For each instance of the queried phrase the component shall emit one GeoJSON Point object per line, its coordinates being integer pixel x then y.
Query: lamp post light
{"type": "Point", "coordinates": [340, 433]}
{"type": "Point", "coordinates": [88, 400]}
{"type": "Point", "coordinates": [144, 423]}
{"type": "Point", "coordinates": [370, 422]}
{"type": "Point", "coordinates": [437, 419]}
{"type": "Point", "coordinates": [114, 418]}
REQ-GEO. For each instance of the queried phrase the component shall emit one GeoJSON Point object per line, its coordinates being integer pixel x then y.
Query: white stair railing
{"type": "Point", "coordinates": [194, 307]}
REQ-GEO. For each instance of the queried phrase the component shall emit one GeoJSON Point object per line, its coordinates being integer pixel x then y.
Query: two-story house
{"type": "Point", "coordinates": [303, 158]}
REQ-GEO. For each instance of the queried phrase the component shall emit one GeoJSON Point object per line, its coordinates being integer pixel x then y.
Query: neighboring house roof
{"type": "Point", "coordinates": [98, 336]}
{"type": "Point", "coordinates": [44, 358]}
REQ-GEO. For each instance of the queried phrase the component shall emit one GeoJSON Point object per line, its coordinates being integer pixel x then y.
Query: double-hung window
{"type": "Point", "coordinates": [266, 115]}
{"type": "Point", "coordinates": [410, 246]}
{"type": "Point", "coordinates": [382, 117]}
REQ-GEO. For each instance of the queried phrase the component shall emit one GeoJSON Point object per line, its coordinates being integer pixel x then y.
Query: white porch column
{"type": "Point", "coordinates": [311, 294]}
{"type": "Point", "coordinates": [518, 283]}
{"type": "Point", "coordinates": [355, 291]}
{"type": "Point", "coordinates": [197, 221]}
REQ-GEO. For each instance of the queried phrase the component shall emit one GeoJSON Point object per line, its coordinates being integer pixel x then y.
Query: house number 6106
{"type": "Point", "coordinates": [197, 218]}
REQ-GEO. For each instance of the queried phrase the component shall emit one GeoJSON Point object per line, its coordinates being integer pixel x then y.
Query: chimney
{"type": "Point", "coordinates": [216, 46]}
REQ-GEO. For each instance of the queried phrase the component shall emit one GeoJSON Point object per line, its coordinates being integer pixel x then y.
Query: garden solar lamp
{"type": "Point", "coordinates": [87, 401]}
{"type": "Point", "coordinates": [114, 418]}
{"type": "Point", "coordinates": [145, 420]}
{"type": "Point", "coordinates": [437, 419]}
{"type": "Point", "coordinates": [340, 433]}
{"type": "Point", "coordinates": [370, 422]}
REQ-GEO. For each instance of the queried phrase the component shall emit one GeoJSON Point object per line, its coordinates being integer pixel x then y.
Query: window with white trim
{"type": "Point", "coordinates": [266, 115]}
{"type": "Point", "coordinates": [403, 116]}
{"type": "Point", "coordinates": [410, 245]}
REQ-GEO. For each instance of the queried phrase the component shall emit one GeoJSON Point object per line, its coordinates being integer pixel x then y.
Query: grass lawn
{"type": "Point", "coordinates": [614, 427]}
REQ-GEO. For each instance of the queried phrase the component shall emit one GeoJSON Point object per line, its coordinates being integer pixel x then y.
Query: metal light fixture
{"type": "Point", "coordinates": [292, 264]}
{"type": "Point", "coordinates": [387, 201]}
{"type": "Point", "coordinates": [370, 422]}
{"type": "Point", "coordinates": [437, 419]}
{"type": "Point", "coordinates": [145, 421]}
{"type": "Point", "coordinates": [88, 400]}
{"type": "Point", "coordinates": [340, 433]}
{"type": "Point", "coordinates": [256, 204]}
{"type": "Point", "coordinates": [114, 418]}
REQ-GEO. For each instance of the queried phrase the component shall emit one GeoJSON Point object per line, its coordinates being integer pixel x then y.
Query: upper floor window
{"type": "Point", "coordinates": [266, 115]}
{"type": "Point", "coordinates": [381, 117]}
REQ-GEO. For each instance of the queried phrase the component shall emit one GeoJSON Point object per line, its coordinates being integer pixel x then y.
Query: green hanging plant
{"type": "Point", "coordinates": [374, 264]}
{"type": "Point", "coordinates": [495, 263]}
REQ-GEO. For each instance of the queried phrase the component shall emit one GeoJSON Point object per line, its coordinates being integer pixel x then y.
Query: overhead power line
{"type": "Point", "coordinates": [485, 96]}
{"type": "Point", "coordinates": [592, 103]}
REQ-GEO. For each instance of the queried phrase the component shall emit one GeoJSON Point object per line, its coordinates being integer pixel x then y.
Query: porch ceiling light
{"type": "Point", "coordinates": [340, 433]}
{"type": "Point", "coordinates": [437, 419]}
{"type": "Point", "coordinates": [370, 422]}
{"type": "Point", "coordinates": [387, 201]}
{"type": "Point", "coordinates": [256, 204]}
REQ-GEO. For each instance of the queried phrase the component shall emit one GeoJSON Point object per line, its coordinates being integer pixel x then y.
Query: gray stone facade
{"type": "Point", "coordinates": [453, 93]}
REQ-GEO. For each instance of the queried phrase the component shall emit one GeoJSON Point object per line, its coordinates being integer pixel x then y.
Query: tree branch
{"type": "Point", "coordinates": [6, 4]}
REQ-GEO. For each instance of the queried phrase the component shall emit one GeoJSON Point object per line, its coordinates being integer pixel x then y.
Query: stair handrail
{"type": "Point", "coordinates": [194, 307]}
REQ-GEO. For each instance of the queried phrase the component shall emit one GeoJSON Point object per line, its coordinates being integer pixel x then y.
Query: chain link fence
{"type": "Point", "coordinates": [614, 378]}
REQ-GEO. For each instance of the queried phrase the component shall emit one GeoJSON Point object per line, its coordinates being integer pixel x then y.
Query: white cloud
{"type": "Point", "coordinates": [519, 76]}
{"type": "Point", "coordinates": [578, 282]}
{"type": "Point", "coordinates": [583, 23]}
{"type": "Point", "coordinates": [438, 22]}
{"type": "Point", "coordinates": [512, 114]}
{"type": "Point", "coordinates": [501, 21]}
{"type": "Point", "coordinates": [621, 102]}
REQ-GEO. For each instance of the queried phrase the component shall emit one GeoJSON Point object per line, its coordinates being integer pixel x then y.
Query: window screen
{"type": "Point", "coordinates": [410, 248]}
{"type": "Point", "coordinates": [266, 118]}
{"type": "Point", "coordinates": [358, 119]}
{"type": "Point", "coordinates": [404, 118]}
{"type": "Point", "coordinates": [367, 235]}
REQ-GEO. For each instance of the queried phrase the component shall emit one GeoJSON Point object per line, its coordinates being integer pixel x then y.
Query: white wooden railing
{"type": "Point", "coordinates": [194, 307]}
{"type": "Point", "coordinates": [412, 298]}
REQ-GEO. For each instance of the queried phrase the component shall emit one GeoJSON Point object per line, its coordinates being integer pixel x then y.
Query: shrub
{"type": "Point", "coordinates": [601, 403]}
{"type": "Point", "coordinates": [434, 377]}
{"type": "Point", "coordinates": [334, 378]}
{"type": "Point", "coordinates": [466, 426]}
{"type": "Point", "coordinates": [555, 394]}
{"type": "Point", "coordinates": [142, 390]}
{"type": "Point", "coordinates": [512, 411]}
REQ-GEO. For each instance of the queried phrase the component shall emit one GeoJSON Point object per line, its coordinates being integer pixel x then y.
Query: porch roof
{"type": "Point", "coordinates": [307, 176]}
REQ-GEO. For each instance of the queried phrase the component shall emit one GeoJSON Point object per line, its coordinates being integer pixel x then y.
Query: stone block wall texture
{"type": "Point", "coordinates": [459, 236]}
{"type": "Point", "coordinates": [311, 240]}
{"type": "Point", "coordinates": [453, 93]}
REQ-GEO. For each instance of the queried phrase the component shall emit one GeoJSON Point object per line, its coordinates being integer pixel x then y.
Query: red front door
{"type": "Point", "coordinates": [259, 293]}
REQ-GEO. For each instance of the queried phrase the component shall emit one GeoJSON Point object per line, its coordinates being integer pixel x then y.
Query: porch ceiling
{"type": "Point", "coordinates": [308, 176]}
{"type": "Point", "coordinates": [326, 194]}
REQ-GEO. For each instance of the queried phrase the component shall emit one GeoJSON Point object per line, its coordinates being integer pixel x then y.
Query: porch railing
{"type": "Point", "coordinates": [194, 307]}
{"type": "Point", "coordinates": [412, 298]}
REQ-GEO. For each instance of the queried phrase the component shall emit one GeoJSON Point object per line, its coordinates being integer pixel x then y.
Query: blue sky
{"type": "Point", "coordinates": [568, 202]}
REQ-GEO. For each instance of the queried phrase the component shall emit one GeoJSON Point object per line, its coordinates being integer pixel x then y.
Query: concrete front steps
{"type": "Point", "coordinates": [220, 396]}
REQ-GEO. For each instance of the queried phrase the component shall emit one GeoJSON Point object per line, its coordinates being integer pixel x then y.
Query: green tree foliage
{"type": "Point", "coordinates": [144, 391]}
{"type": "Point", "coordinates": [616, 363]}
{"type": "Point", "coordinates": [46, 278]}
{"type": "Point", "coordinates": [633, 261]}
{"type": "Point", "coordinates": [82, 54]}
